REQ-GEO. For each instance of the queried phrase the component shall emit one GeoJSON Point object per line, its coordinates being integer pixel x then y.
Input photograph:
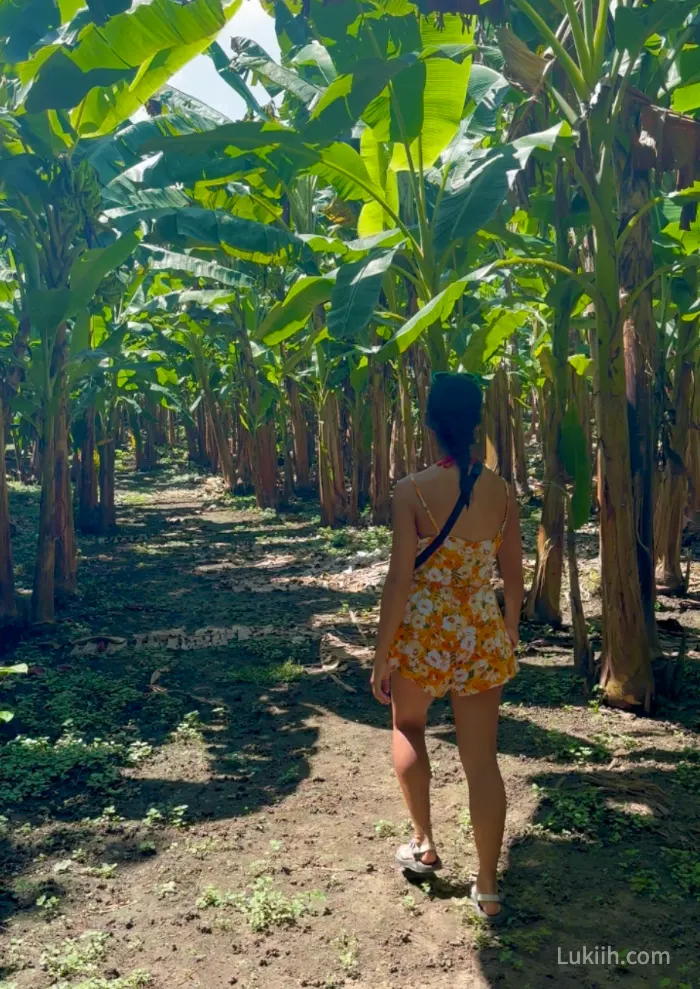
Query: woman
{"type": "Point", "coordinates": [441, 630]}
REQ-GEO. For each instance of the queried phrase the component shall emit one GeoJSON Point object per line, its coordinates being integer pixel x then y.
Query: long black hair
{"type": "Point", "coordinates": [453, 413]}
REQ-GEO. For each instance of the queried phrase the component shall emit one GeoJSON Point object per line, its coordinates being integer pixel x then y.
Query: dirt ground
{"type": "Point", "coordinates": [201, 795]}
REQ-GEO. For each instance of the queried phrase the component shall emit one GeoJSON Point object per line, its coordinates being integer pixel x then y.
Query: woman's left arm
{"type": "Point", "coordinates": [397, 585]}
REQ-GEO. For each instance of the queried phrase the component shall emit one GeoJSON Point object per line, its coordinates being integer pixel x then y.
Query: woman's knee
{"type": "Point", "coordinates": [411, 725]}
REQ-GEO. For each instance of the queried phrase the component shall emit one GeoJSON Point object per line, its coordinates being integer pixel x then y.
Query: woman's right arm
{"type": "Point", "coordinates": [510, 562]}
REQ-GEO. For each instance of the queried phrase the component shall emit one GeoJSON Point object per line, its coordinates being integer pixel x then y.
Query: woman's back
{"type": "Point", "coordinates": [435, 493]}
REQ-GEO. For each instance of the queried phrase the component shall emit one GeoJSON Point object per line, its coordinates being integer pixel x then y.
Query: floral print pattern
{"type": "Point", "coordinates": [453, 636]}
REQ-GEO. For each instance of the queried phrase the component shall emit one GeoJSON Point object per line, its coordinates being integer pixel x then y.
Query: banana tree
{"type": "Point", "coordinates": [102, 70]}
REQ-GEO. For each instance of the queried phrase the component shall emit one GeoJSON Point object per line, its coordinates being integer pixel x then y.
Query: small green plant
{"type": "Point", "coordinates": [5, 671]}
{"type": "Point", "coordinates": [176, 817]}
{"type": "Point", "coordinates": [154, 818]}
{"type": "Point", "coordinates": [75, 956]}
{"type": "Point", "coordinates": [346, 946]}
{"type": "Point", "coordinates": [138, 979]}
{"type": "Point", "coordinates": [410, 905]}
{"type": "Point", "coordinates": [211, 897]}
{"type": "Point", "coordinates": [201, 848]}
{"type": "Point", "coordinates": [265, 907]}
{"type": "Point", "coordinates": [465, 822]}
{"type": "Point", "coordinates": [103, 871]}
{"type": "Point", "coordinates": [49, 906]}
{"type": "Point", "coordinates": [189, 731]}
{"type": "Point", "coordinates": [385, 829]}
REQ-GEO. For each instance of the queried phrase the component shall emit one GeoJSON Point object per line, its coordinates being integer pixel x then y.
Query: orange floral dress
{"type": "Point", "coordinates": [453, 637]}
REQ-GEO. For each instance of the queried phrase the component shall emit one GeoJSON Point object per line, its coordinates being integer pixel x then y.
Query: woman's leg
{"type": "Point", "coordinates": [410, 705]}
{"type": "Point", "coordinates": [476, 721]}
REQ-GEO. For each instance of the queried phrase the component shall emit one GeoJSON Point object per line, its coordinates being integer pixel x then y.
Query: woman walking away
{"type": "Point", "coordinates": [441, 629]}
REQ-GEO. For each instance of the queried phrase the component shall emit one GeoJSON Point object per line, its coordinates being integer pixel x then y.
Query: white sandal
{"type": "Point", "coordinates": [476, 899]}
{"type": "Point", "coordinates": [410, 857]}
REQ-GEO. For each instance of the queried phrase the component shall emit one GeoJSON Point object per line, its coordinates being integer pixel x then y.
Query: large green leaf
{"type": "Point", "coordinates": [160, 259]}
{"type": "Point", "coordinates": [355, 295]}
{"type": "Point", "coordinates": [292, 314]}
{"type": "Point", "coordinates": [145, 46]}
{"type": "Point", "coordinates": [90, 268]}
{"type": "Point", "coordinates": [23, 24]}
{"type": "Point", "coordinates": [686, 99]}
{"type": "Point", "coordinates": [573, 453]}
{"type": "Point", "coordinates": [486, 340]}
{"type": "Point", "coordinates": [343, 168]}
{"type": "Point", "coordinates": [375, 155]}
{"type": "Point", "coordinates": [222, 64]}
{"type": "Point", "coordinates": [470, 203]}
{"type": "Point", "coordinates": [213, 229]}
{"type": "Point", "coordinates": [249, 57]}
{"type": "Point", "coordinates": [633, 25]}
{"type": "Point", "coordinates": [348, 96]}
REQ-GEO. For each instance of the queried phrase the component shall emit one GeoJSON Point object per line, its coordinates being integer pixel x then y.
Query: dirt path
{"type": "Point", "coordinates": [251, 843]}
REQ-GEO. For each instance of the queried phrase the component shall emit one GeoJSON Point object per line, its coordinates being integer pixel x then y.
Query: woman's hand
{"type": "Point", "coordinates": [381, 680]}
{"type": "Point", "coordinates": [513, 630]}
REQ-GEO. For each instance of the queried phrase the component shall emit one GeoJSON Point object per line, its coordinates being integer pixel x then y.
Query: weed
{"type": "Point", "coordinates": [211, 897]}
{"type": "Point", "coordinates": [36, 769]}
{"type": "Point", "coordinates": [275, 846]}
{"type": "Point", "coordinates": [687, 776]}
{"type": "Point", "coordinates": [385, 829]}
{"type": "Point", "coordinates": [147, 848]}
{"type": "Point", "coordinates": [49, 906]}
{"type": "Point", "coordinates": [645, 882]}
{"type": "Point", "coordinates": [103, 871]}
{"type": "Point", "coordinates": [685, 869]}
{"type": "Point", "coordinates": [584, 812]}
{"type": "Point", "coordinates": [176, 818]}
{"type": "Point", "coordinates": [465, 822]}
{"type": "Point", "coordinates": [528, 942]}
{"type": "Point", "coordinates": [75, 956]}
{"type": "Point", "coordinates": [266, 676]}
{"type": "Point", "coordinates": [202, 848]}
{"type": "Point", "coordinates": [346, 946]}
{"type": "Point", "coordinates": [154, 818]}
{"type": "Point", "coordinates": [265, 907]}
{"type": "Point", "coordinates": [108, 816]}
{"type": "Point", "coordinates": [189, 731]}
{"type": "Point", "coordinates": [137, 979]}
{"type": "Point", "coordinates": [410, 905]}
{"type": "Point", "coordinates": [139, 752]}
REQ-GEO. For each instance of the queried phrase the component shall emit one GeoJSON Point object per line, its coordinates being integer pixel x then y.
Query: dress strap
{"type": "Point", "coordinates": [422, 501]}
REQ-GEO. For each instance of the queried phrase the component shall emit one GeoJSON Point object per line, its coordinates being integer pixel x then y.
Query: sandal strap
{"type": "Point", "coordinates": [425, 846]}
{"type": "Point", "coordinates": [488, 898]}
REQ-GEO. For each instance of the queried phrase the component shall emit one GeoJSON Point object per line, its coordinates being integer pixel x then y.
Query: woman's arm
{"type": "Point", "coordinates": [510, 562]}
{"type": "Point", "coordinates": [397, 585]}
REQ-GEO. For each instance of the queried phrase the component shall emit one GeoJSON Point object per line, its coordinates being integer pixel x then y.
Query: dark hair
{"type": "Point", "coordinates": [453, 413]}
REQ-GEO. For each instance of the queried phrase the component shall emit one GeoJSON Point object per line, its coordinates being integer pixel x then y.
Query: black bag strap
{"type": "Point", "coordinates": [462, 503]}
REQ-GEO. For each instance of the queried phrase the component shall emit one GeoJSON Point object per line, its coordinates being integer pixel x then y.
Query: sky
{"type": "Point", "coordinates": [200, 78]}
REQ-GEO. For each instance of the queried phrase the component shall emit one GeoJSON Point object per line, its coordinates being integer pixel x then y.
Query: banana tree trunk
{"type": "Point", "coordinates": [583, 653]}
{"type": "Point", "coordinates": [66, 552]}
{"type": "Point", "coordinates": [421, 371]}
{"type": "Point", "coordinates": [626, 674]}
{"type": "Point", "coordinates": [406, 412]}
{"type": "Point", "coordinates": [87, 477]}
{"type": "Point", "coordinates": [516, 408]}
{"type": "Point", "coordinates": [636, 265]}
{"type": "Point", "coordinates": [381, 489]}
{"type": "Point", "coordinates": [107, 507]}
{"type": "Point", "coordinates": [332, 491]}
{"type": "Point", "coordinates": [544, 599]}
{"type": "Point", "coordinates": [265, 466]}
{"type": "Point", "coordinates": [498, 429]}
{"type": "Point", "coordinates": [8, 607]}
{"type": "Point", "coordinates": [672, 497]}
{"type": "Point", "coordinates": [43, 590]}
{"type": "Point", "coordinates": [222, 448]}
{"type": "Point", "coordinates": [300, 438]}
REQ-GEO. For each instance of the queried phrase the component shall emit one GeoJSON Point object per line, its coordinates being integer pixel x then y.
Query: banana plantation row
{"type": "Point", "coordinates": [509, 188]}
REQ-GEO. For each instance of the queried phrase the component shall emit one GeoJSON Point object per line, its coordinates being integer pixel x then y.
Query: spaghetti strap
{"type": "Point", "coordinates": [422, 501]}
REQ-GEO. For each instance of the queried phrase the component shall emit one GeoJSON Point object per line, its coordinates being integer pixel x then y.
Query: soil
{"type": "Point", "coordinates": [252, 844]}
